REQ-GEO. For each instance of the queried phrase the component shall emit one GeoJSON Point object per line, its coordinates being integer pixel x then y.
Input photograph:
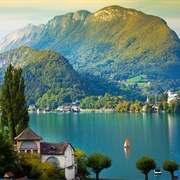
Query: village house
{"type": "Point", "coordinates": [61, 153]}
{"type": "Point", "coordinates": [171, 96]}
{"type": "Point", "coordinates": [8, 176]}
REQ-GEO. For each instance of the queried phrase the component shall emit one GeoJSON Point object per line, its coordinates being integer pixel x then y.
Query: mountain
{"type": "Point", "coordinates": [112, 45]}
{"type": "Point", "coordinates": [50, 79]}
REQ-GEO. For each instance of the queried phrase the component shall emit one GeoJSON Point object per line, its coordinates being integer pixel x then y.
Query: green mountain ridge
{"type": "Point", "coordinates": [112, 45]}
{"type": "Point", "coordinates": [50, 79]}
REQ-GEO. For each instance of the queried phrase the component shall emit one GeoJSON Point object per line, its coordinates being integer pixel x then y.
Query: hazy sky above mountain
{"type": "Point", "coordinates": [15, 14]}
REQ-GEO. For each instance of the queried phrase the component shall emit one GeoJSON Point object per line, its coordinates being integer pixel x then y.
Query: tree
{"type": "Point", "coordinates": [151, 99]}
{"type": "Point", "coordinates": [122, 106]}
{"type": "Point", "coordinates": [145, 164]}
{"type": "Point", "coordinates": [81, 159]}
{"type": "Point", "coordinates": [165, 105]}
{"type": "Point", "coordinates": [149, 108]}
{"type": "Point", "coordinates": [177, 106]}
{"type": "Point", "coordinates": [7, 156]}
{"type": "Point", "coordinates": [15, 116]}
{"type": "Point", "coordinates": [170, 166]}
{"type": "Point", "coordinates": [172, 105]}
{"type": "Point", "coordinates": [97, 162]}
{"type": "Point", "coordinates": [31, 166]}
{"type": "Point", "coordinates": [163, 97]}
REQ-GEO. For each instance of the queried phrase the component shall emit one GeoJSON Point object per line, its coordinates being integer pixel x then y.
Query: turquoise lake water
{"type": "Point", "coordinates": [155, 135]}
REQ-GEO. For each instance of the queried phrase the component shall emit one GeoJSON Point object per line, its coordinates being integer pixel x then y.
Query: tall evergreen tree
{"type": "Point", "coordinates": [15, 116]}
{"type": "Point", "coordinates": [7, 156]}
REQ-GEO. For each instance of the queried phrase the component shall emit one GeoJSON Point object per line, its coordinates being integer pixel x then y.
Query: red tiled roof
{"type": "Point", "coordinates": [53, 148]}
{"type": "Point", "coordinates": [28, 134]}
{"type": "Point", "coordinates": [9, 174]}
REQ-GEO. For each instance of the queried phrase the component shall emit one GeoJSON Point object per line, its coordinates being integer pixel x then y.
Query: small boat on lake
{"type": "Point", "coordinates": [126, 143]}
{"type": "Point", "coordinates": [157, 171]}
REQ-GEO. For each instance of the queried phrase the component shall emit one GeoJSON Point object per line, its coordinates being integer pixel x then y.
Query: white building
{"type": "Point", "coordinates": [62, 153]}
{"type": "Point", "coordinates": [171, 96]}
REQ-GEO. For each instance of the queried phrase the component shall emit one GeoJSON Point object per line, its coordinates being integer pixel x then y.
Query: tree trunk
{"type": "Point", "coordinates": [172, 175]}
{"type": "Point", "coordinates": [146, 176]}
{"type": "Point", "coordinates": [97, 175]}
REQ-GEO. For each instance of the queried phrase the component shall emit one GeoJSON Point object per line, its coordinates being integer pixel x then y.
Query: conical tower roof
{"type": "Point", "coordinates": [28, 134]}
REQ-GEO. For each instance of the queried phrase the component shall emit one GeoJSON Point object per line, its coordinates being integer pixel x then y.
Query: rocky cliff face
{"type": "Point", "coordinates": [22, 36]}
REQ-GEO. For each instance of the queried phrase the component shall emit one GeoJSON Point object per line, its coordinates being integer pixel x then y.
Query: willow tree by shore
{"type": "Point", "coordinates": [14, 118]}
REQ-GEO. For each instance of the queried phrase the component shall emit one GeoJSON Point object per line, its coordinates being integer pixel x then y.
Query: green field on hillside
{"type": "Point", "coordinates": [137, 79]}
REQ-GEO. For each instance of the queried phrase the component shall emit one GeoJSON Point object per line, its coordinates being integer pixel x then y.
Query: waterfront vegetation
{"type": "Point", "coordinates": [121, 104]}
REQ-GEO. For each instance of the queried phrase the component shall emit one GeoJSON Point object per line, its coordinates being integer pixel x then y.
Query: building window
{"type": "Point", "coordinates": [28, 151]}
{"type": "Point", "coordinates": [35, 151]}
{"type": "Point", "coordinates": [54, 160]}
{"type": "Point", "coordinates": [29, 145]}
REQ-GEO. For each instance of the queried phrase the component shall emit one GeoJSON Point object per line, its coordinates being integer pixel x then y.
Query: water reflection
{"type": "Point", "coordinates": [127, 152]}
{"type": "Point", "coordinates": [173, 131]}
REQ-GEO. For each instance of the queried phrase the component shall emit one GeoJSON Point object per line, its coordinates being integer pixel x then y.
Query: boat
{"type": "Point", "coordinates": [175, 175]}
{"type": "Point", "coordinates": [157, 171]}
{"type": "Point", "coordinates": [126, 143]}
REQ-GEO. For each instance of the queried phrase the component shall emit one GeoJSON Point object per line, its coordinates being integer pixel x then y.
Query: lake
{"type": "Point", "coordinates": [155, 135]}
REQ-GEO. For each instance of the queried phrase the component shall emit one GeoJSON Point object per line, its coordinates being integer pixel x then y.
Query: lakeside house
{"type": "Point", "coordinates": [60, 153]}
{"type": "Point", "coordinates": [171, 96]}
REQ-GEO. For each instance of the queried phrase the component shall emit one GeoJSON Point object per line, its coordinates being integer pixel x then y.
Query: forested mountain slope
{"type": "Point", "coordinates": [49, 76]}
{"type": "Point", "coordinates": [112, 44]}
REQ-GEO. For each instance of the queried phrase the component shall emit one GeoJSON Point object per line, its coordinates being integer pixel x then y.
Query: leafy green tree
{"type": "Point", "coordinates": [149, 108]}
{"type": "Point", "coordinates": [165, 105]}
{"type": "Point", "coordinates": [15, 116]}
{"type": "Point", "coordinates": [151, 99]}
{"type": "Point", "coordinates": [145, 164]}
{"type": "Point", "coordinates": [81, 159]}
{"type": "Point", "coordinates": [177, 106]}
{"type": "Point", "coordinates": [170, 166]}
{"type": "Point", "coordinates": [97, 162]}
{"type": "Point", "coordinates": [31, 166]}
{"type": "Point", "coordinates": [163, 97]}
{"type": "Point", "coordinates": [132, 108]}
{"type": "Point", "coordinates": [7, 156]}
{"type": "Point", "coordinates": [123, 106]}
{"type": "Point", "coordinates": [160, 107]}
{"type": "Point", "coordinates": [138, 105]}
{"type": "Point", "coordinates": [172, 106]}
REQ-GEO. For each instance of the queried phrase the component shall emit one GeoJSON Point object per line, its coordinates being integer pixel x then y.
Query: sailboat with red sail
{"type": "Point", "coordinates": [127, 143]}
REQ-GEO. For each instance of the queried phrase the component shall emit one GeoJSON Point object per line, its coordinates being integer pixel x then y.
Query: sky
{"type": "Point", "coordinates": [16, 14]}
